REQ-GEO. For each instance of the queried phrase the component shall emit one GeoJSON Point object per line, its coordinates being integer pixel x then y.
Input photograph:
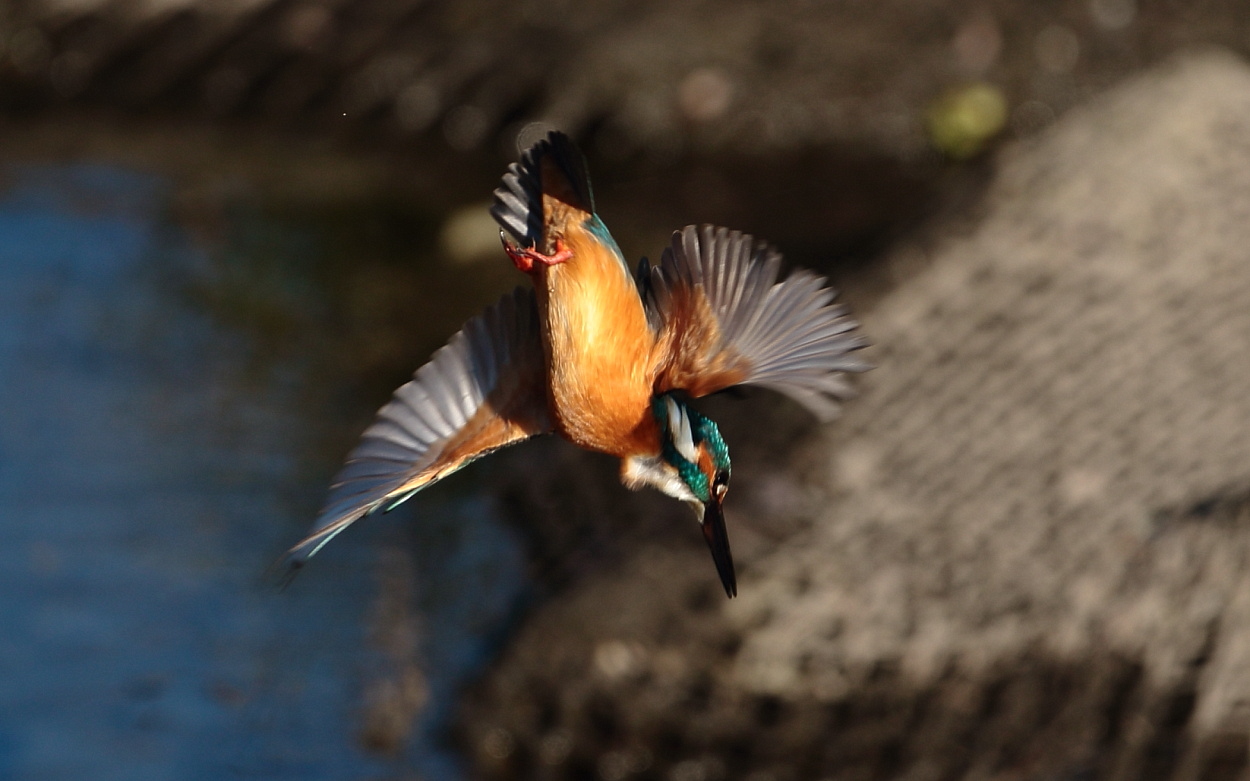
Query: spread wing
{"type": "Point", "coordinates": [485, 389]}
{"type": "Point", "coordinates": [723, 319]}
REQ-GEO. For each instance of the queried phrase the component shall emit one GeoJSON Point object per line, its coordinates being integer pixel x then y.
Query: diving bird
{"type": "Point", "coordinates": [606, 357]}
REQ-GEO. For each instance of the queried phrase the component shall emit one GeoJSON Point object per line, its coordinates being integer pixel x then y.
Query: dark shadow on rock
{"type": "Point", "coordinates": [625, 713]}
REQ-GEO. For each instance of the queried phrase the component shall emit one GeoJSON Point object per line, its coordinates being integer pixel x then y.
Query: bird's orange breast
{"type": "Point", "coordinates": [598, 348]}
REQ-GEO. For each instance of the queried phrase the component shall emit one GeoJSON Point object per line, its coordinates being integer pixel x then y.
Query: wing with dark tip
{"type": "Point", "coordinates": [722, 318]}
{"type": "Point", "coordinates": [485, 389]}
{"type": "Point", "coordinates": [518, 206]}
{"type": "Point", "coordinates": [546, 194]}
{"type": "Point", "coordinates": [554, 167]}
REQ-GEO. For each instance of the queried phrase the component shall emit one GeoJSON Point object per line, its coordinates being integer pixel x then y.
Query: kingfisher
{"type": "Point", "coordinates": [606, 356]}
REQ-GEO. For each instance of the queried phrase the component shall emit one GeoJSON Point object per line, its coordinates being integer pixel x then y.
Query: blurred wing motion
{"type": "Point", "coordinates": [485, 389]}
{"type": "Point", "coordinates": [723, 319]}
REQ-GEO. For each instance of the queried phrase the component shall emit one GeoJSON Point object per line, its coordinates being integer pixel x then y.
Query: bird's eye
{"type": "Point", "coordinates": [720, 484]}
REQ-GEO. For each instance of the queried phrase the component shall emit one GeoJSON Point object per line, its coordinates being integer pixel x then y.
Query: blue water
{"type": "Point", "coordinates": [156, 455]}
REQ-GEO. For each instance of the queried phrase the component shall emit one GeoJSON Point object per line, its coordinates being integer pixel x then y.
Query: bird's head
{"type": "Point", "coordinates": [692, 465]}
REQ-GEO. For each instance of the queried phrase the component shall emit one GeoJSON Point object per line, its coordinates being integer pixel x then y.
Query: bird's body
{"type": "Point", "coordinates": [603, 357]}
{"type": "Point", "coordinates": [596, 339]}
{"type": "Point", "coordinates": [598, 347]}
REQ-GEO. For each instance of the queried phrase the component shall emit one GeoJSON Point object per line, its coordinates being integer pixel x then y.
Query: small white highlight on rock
{"type": "Point", "coordinates": [1078, 486]}
{"type": "Point", "coordinates": [615, 660]}
{"type": "Point", "coordinates": [705, 94]}
{"type": "Point", "coordinates": [856, 465]}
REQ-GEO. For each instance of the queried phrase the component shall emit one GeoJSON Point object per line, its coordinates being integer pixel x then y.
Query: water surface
{"type": "Point", "coordinates": [175, 386]}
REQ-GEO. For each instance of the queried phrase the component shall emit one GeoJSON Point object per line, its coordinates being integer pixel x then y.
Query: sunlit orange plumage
{"type": "Point", "coordinates": [598, 346]}
{"type": "Point", "coordinates": [604, 357]}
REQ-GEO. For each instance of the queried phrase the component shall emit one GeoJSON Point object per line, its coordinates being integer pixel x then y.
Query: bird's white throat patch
{"type": "Point", "coordinates": [639, 471]}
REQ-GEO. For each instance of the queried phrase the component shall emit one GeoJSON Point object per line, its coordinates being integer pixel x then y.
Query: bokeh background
{"type": "Point", "coordinates": [229, 228]}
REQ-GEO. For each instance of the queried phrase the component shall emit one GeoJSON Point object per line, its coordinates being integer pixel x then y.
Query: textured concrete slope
{"type": "Point", "coordinates": [1030, 553]}
{"type": "Point", "coordinates": [1060, 405]}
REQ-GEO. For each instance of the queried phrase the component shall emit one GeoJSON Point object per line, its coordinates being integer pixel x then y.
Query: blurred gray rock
{"type": "Point", "coordinates": [1022, 552]}
{"type": "Point", "coordinates": [646, 79]}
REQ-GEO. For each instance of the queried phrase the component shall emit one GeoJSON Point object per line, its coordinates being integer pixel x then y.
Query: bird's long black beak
{"type": "Point", "coordinates": [717, 537]}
